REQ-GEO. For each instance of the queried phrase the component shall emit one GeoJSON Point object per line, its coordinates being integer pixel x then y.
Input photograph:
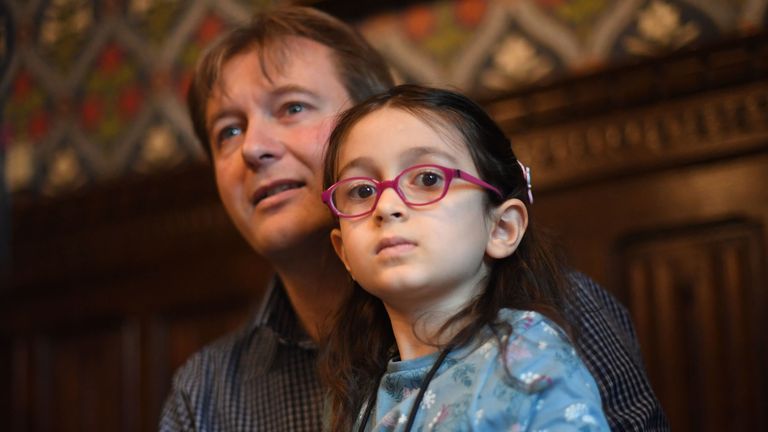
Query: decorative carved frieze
{"type": "Point", "coordinates": [690, 129]}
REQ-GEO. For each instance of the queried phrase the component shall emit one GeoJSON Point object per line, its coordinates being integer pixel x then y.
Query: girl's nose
{"type": "Point", "coordinates": [390, 206]}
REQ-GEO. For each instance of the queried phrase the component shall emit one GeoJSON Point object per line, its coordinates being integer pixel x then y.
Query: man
{"type": "Point", "coordinates": [263, 101]}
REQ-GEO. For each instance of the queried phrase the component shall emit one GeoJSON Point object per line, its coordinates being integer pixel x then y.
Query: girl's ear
{"type": "Point", "coordinates": [510, 220]}
{"type": "Point", "coordinates": [338, 246]}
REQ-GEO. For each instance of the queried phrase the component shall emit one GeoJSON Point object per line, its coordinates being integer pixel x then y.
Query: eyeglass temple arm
{"type": "Point", "coordinates": [472, 179]}
{"type": "Point", "coordinates": [526, 175]}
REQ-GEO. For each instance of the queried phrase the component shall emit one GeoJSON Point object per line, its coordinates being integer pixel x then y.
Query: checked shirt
{"type": "Point", "coordinates": [263, 378]}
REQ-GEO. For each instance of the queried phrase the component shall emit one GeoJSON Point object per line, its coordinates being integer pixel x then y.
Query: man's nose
{"type": "Point", "coordinates": [262, 145]}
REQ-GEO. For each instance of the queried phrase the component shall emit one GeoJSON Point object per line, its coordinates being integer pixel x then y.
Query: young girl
{"type": "Point", "coordinates": [460, 322]}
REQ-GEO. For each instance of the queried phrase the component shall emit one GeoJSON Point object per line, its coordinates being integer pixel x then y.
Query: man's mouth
{"type": "Point", "coordinates": [275, 189]}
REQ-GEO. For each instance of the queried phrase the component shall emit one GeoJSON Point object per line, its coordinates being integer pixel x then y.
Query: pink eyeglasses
{"type": "Point", "coordinates": [418, 185]}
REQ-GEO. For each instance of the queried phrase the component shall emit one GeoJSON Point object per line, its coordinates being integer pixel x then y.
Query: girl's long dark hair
{"type": "Point", "coordinates": [360, 342]}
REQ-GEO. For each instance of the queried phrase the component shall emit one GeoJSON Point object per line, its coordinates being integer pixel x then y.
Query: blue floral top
{"type": "Point", "coordinates": [547, 386]}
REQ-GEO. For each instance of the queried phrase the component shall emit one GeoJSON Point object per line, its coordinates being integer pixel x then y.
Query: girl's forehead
{"type": "Point", "coordinates": [394, 129]}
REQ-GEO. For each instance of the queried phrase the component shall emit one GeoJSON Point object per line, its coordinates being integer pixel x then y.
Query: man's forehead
{"type": "Point", "coordinates": [275, 68]}
{"type": "Point", "coordinates": [282, 62]}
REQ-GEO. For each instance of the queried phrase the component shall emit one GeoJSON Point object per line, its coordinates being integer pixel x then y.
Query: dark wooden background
{"type": "Point", "coordinates": [654, 175]}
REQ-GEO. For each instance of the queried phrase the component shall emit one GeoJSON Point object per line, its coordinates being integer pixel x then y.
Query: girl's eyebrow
{"type": "Point", "coordinates": [360, 162]}
{"type": "Point", "coordinates": [414, 153]}
{"type": "Point", "coordinates": [410, 156]}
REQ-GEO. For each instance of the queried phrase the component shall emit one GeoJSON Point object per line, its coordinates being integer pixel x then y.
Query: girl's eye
{"type": "Point", "coordinates": [428, 179]}
{"type": "Point", "coordinates": [362, 191]}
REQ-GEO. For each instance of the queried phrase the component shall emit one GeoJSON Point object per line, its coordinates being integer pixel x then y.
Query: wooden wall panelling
{"type": "Point", "coordinates": [697, 294]}
{"type": "Point", "coordinates": [673, 133]}
{"type": "Point", "coordinates": [155, 258]}
{"type": "Point", "coordinates": [81, 379]}
{"type": "Point", "coordinates": [670, 159]}
{"type": "Point", "coordinates": [594, 219]}
{"type": "Point", "coordinates": [14, 399]}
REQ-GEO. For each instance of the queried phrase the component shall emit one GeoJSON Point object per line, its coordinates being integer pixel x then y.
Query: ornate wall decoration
{"type": "Point", "coordinates": [64, 27]}
{"type": "Point", "coordinates": [729, 122]}
{"type": "Point", "coordinates": [111, 96]}
{"type": "Point", "coordinates": [660, 27]}
{"type": "Point", "coordinates": [154, 17]}
{"type": "Point", "coordinates": [6, 37]}
{"type": "Point", "coordinates": [64, 171]}
{"type": "Point", "coordinates": [26, 119]}
{"type": "Point", "coordinates": [94, 90]}
{"type": "Point", "coordinates": [515, 63]}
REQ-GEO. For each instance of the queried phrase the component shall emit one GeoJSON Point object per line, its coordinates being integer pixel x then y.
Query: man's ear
{"type": "Point", "coordinates": [510, 220]}
{"type": "Point", "coordinates": [338, 246]}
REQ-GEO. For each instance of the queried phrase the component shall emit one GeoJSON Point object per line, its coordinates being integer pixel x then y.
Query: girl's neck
{"type": "Point", "coordinates": [417, 336]}
{"type": "Point", "coordinates": [417, 322]}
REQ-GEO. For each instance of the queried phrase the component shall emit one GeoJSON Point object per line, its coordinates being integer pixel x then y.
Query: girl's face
{"type": "Point", "coordinates": [419, 259]}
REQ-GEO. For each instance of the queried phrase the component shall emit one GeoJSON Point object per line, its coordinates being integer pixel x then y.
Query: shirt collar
{"type": "Point", "coordinates": [277, 314]}
{"type": "Point", "coordinates": [275, 326]}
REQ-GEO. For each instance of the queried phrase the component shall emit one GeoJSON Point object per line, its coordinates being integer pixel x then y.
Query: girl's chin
{"type": "Point", "coordinates": [398, 292]}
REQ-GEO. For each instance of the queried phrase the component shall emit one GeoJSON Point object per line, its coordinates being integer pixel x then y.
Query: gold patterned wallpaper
{"type": "Point", "coordinates": [92, 91]}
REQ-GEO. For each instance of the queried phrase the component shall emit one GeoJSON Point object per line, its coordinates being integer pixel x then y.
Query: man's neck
{"type": "Point", "coordinates": [315, 287]}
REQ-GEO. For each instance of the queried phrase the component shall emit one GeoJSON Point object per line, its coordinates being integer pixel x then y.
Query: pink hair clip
{"type": "Point", "coordinates": [527, 176]}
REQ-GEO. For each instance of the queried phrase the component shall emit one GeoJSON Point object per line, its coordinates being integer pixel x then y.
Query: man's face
{"type": "Point", "coordinates": [268, 137]}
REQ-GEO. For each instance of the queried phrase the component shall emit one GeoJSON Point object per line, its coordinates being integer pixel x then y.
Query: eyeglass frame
{"type": "Point", "coordinates": [382, 185]}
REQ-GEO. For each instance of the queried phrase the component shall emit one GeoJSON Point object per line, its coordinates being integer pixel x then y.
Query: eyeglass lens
{"type": "Point", "coordinates": [417, 186]}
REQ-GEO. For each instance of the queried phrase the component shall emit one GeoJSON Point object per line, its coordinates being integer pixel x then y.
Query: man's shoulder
{"type": "Point", "coordinates": [608, 345]}
{"type": "Point", "coordinates": [583, 284]}
{"type": "Point", "coordinates": [591, 297]}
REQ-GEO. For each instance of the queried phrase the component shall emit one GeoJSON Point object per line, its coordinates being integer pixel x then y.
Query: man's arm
{"type": "Point", "coordinates": [178, 414]}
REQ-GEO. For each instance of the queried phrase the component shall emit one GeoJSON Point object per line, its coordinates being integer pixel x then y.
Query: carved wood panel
{"type": "Point", "coordinates": [95, 375]}
{"type": "Point", "coordinates": [698, 299]}
{"type": "Point", "coordinates": [76, 379]}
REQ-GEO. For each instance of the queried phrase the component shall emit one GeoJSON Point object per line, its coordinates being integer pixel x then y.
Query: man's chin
{"type": "Point", "coordinates": [279, 241]}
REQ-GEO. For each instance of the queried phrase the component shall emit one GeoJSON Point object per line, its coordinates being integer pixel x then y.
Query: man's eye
{"type": "Point", "coordinates": [294, 108]}
{"type": "Point", "coordinates": [229, 132]}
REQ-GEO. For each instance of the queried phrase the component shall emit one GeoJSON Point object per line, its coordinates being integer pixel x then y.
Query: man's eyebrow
{"type": "Point", "coordinates": [277, 91]}
{"type": "Point", "coordinates": [292, 88]}
{"type": "Point", "coordinates": [227, 112]}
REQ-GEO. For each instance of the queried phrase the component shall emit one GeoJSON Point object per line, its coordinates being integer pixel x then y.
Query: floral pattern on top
{"type": "Point", "coordinates": [538, 383]}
